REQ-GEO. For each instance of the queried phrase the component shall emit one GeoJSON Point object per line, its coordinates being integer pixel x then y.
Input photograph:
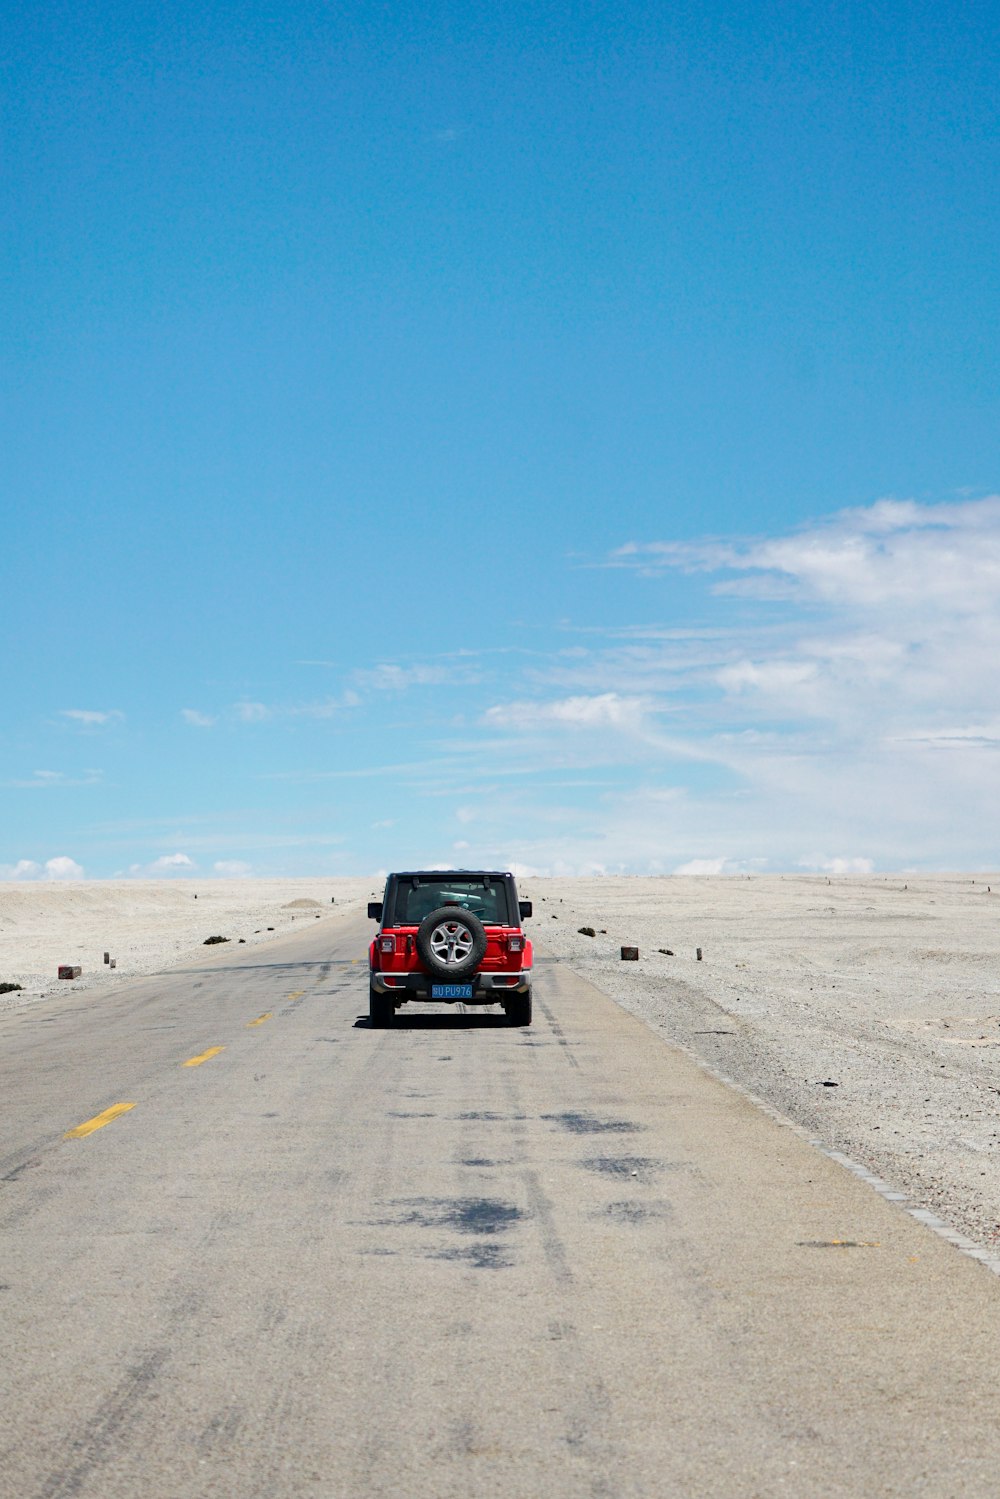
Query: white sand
{"type": "Point", "coordinates": [889, 988]}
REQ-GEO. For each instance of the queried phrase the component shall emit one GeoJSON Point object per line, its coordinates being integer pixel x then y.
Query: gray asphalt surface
{"type": "Point", "coordinates": [449, 1259]}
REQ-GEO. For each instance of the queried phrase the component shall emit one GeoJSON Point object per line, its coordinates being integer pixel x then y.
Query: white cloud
{"type": "Point", "coordinates": [705, 866]}
{"type": "Point", "coordinates": [59, 868]}
{"type": "Point", "coordinates": [839, 692]}
{"type": "Point", "coordinates": [971, 736]}
{"type": "Point", "coordinates": [232, 869]}
{"type": "Point", "coordinates": [606, 710]}
{"type": "Point", "coordinates": [889, 555]}
{"type": "Point", "coordinates": [767, 676]}
{"type": "Point", "coordinates": [166, 864]}
{"type": "Point", "coordinates": [388, 677]}
{"type": "Point", "coordinates": [197, 720]}
{"type": "Point", "coordinates": [51, 779]}
{"type": "Point", "coordinates": [328, 707]}
{"type": "Point", "coordinates": [92, 718]}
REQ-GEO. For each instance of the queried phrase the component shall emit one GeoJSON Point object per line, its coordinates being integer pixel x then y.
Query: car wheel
{"type": "Point", "coordinates": [518, 1009]}
{"type": "Point", "coordinates": [381, 1009]}
{"type": "Point", "coordinates": [451, 943]}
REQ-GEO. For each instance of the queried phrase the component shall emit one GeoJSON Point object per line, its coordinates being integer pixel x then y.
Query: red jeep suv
{"type": "Point", "coordinates": [452, 937]}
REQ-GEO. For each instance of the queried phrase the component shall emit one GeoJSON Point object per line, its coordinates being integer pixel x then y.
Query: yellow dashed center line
{"type": "Point", "coordinates": [213, 1051]}
{"type": "Point", "coordinates": [260, 1019]}
{"type": "Point", "coordinates": [297, 995]}
{"type": "Point", "coordinates": [98, 1122]}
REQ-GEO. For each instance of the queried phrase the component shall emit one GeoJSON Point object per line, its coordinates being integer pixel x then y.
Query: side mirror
{"type": "Point", "coordinates": [375, 910]}
{"type": "Point", "coordinates": [524, 909]}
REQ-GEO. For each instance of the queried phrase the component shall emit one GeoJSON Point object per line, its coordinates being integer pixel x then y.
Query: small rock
{"type": "Point", "coordinates": [667, 952]}
{"type": "Point", "coordinates": [586, 931]}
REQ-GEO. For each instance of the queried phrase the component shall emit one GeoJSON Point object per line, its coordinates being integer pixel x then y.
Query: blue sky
{"type": "Point", "coordinates": [461, 434]}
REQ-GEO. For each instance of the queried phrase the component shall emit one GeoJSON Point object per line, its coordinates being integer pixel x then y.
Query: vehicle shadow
{"type": "Point", "coordinates": [462, 1022]}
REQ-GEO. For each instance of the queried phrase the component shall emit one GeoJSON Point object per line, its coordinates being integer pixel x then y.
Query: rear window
{"type": "Point", "coordinates": [486, 899]}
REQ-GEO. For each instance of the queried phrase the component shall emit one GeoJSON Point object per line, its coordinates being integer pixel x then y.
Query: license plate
{"type": "Point", "coordinates": [451, 991]}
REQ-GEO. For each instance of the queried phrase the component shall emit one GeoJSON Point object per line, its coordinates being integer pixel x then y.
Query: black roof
{"type": "Point", "coordinates": [439, 874]}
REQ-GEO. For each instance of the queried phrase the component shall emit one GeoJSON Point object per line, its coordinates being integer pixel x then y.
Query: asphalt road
{"type": "Point", "coordinates": [448, 1259]}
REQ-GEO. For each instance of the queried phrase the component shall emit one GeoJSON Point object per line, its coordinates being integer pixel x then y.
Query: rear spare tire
{"type": "Point", "coordinates": [451, 943]}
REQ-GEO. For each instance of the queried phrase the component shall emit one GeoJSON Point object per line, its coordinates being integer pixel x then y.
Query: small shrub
{"type": "Point", "coordinates": [586, 931]}
{"type": "Point", "coordinates": [9, 988]}
{"type": "Point", "coordinates": [211, 941]}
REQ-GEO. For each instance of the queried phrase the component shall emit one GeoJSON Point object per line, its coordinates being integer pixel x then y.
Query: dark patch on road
{"type": "Point", "coordinates": [636, 1212]}
{"type": "Point", "coordinates": [480, 1256]}
{"type": "Point", "coordinates": [483, 1219]}
{"type": "Point", "coordinates": [466, 1215]}
{"type": "Point", "coordinates": [480, 1160]}
{"type": "Point", "coordinates": [588, 1124]}
{"type": "Point", "coordinates": [402, 1114]}
{"type": "Point", "coordinates": [488, 1117]}
{"type": "Point", "coordinates": [639, 1166]}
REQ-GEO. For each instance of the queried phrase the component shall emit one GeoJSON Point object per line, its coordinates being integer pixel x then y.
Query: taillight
{"type": "Point", "coordinates": [387, 944]}
{"type": "Point", "coordinates": [515, 944]}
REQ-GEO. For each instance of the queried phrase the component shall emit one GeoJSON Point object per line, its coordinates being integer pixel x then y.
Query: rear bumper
{"type": "Point", "coordinates": [487, 988]}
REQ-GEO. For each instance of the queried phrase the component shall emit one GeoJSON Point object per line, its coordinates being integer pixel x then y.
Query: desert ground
{"type": "Point", "coordinates": [147, 925]}
{"type": "Point", "coordinates": [865, 1008]}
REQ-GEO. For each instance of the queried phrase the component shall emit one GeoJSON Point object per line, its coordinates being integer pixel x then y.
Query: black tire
{"type": "Point", "coordinates": [456, 918]}
{"type": "Point", "coordinates": [381, 1009]}
{"type": "Point", "coordinates": [518, 1009]}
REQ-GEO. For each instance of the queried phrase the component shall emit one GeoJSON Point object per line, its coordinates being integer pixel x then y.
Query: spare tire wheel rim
{"type": "Point", "coordinates": [451, 942]}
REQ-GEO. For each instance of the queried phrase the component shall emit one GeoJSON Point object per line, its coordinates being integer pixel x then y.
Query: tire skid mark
{"type": "Point", "coordinates": [559, 1033]}
{"type": "Point", "coordinates": [586, 1409]}
{"type": "Point", "coordinates": [115, 1418]}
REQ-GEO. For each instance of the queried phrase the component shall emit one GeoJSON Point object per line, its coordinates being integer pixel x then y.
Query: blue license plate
{"type": "Point", "coordinates": [451, 991]}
